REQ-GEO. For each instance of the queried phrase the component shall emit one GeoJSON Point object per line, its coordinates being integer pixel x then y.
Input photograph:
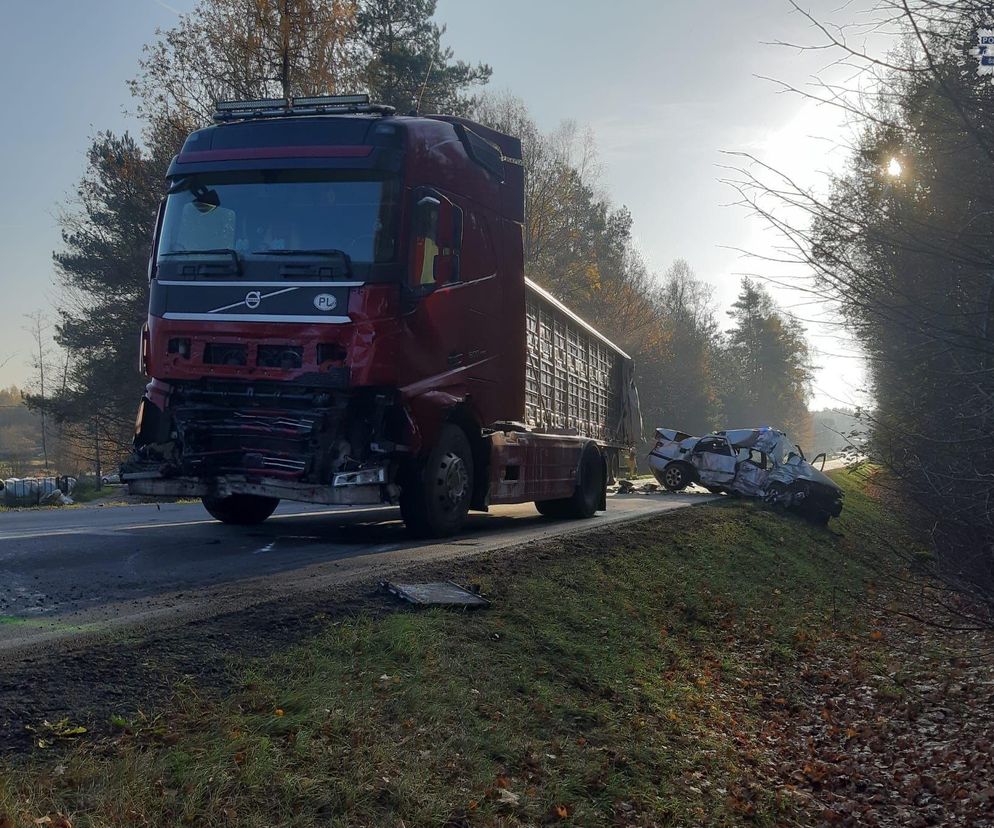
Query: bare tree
{"type": "Point", "coordinates": [38, 328]}
{"type": "Point", "coordinates": [902, 244]}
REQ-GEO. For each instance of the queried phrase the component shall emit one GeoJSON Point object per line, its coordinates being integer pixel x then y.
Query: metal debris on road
{"type": "Point", "coordinates": [437, 594]}
{"type": "Point", "coordinates": [628, 487]}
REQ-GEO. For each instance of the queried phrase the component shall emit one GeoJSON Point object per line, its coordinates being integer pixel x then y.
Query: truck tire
{"type": "Point", "coordinates": [588, 494]}
{"type": "Point", "coordinates": [241, 509]}
{"type": "Point", "coordinates": [552, 508]}
{"type": "Point", "coordinates": [676, 477]}
{"type": "Point", "coordinates": [435, 497]}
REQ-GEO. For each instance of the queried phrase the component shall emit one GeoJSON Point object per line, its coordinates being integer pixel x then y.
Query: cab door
{"type": "Point", "coordinates": [436, 328]}
{"type": "Point", "coordinates": [456, 316]}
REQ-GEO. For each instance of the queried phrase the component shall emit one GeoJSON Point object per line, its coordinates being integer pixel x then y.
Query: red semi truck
{"type": "Point", "coordinates": [338, 314]}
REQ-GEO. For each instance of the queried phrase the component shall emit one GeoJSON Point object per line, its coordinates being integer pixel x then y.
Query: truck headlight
{"type": "Point", "coordinates": [363, 477]}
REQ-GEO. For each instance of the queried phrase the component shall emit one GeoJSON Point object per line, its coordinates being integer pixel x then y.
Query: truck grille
{"type": "Point", "coordinates": [216, 441]}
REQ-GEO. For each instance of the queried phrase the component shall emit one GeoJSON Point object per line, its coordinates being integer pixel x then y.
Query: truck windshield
{"type": "Point", "coordinates": [263, 213]}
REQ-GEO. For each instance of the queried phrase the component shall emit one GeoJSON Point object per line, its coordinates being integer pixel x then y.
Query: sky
{"type": "Point", "coordinates": [666, 86]}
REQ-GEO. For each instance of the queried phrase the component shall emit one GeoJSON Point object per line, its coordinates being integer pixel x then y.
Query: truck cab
{"type": "Point", "coordinates": [337, 315]}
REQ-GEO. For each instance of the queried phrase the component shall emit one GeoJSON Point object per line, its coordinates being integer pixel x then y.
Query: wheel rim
{"type": "Point", "coordinates": [453, 481]}
{"type": "Point", "coordinates": [673, 476]}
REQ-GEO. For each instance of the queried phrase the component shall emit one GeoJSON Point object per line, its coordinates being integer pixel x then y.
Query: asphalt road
{"type": "Point", "coordinates": [75, 573]}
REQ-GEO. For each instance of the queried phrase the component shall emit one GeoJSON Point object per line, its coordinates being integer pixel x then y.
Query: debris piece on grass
{"type": "Point", "coordinates": [436, 594]}
{"type": "Point", "coordinates": [506, 797]}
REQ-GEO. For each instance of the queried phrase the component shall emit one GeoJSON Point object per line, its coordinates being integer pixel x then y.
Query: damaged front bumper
{"type": "Point", "coordinates": [216, 439]}
{"type": "Point", "coordinates": [343, 493]}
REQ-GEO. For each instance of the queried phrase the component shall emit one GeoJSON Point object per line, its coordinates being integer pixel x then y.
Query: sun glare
{"type": "Point", "coordinates": [894, 168]}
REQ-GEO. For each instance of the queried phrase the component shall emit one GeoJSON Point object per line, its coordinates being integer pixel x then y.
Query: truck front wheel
{"type": "Point", "coordinates": [588, 494]}
{"type": "Point", "coordinates": [434, 500]}
{"type": "Point", "coordinates": [241, 509]}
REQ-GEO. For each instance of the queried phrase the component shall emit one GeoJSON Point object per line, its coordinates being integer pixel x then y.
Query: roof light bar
{"type": "Point", "coordinates": [261, 103]}
{"type": "Point", "coordinates": [309, 105]}
{"type": "Point", "coordinates": [331, 100]}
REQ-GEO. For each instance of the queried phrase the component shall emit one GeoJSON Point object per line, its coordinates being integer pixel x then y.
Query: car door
{"type": "Point", "coordinates": [753, 470]}
{"type": "Point", "coordinates": [714, 460]}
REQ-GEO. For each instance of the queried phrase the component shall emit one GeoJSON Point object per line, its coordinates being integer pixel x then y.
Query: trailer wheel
{"type": "Point", "coordinates": [435, 499]}
{"type": "Point", "coordinates": [241, 509]}
{"type": "Point", "coordinates": [587, 496]}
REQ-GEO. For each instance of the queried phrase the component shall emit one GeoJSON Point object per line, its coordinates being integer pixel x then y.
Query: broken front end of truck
{"type": "Point", "coordinates": [337, 316]}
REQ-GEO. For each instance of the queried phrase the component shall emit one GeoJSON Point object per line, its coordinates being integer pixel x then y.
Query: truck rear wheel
{"type": "Point", "coordinates": [434, 501]}
{"type": "Point", "coordinates": [240, 509]}
{"type": "Point", "coordinates": [588, 494]}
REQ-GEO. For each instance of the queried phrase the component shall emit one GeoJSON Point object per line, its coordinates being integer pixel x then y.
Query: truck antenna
{"type": "Point", "coordinates": [421, 94]}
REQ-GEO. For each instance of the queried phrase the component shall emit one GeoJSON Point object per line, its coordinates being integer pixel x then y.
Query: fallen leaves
{"type": "Point", "coordinates": [47, 732]}
{"type": "Point", "coordinates": [893, 739]}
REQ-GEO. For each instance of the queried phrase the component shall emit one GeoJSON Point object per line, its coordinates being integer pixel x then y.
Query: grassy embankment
{"type": "Point", "coordinates": [623, 678]}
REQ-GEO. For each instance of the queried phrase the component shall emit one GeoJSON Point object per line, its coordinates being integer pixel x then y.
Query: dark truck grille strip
{"type": "Point", "coordinates": [244, 301]}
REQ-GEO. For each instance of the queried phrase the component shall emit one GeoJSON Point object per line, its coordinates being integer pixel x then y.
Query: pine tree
{"type": "Point", "coordinates": [103, 272]}
{"type": "Point", "coordinates": [408, 68]}
{"type": "Point", "coordinates": [767, 366]}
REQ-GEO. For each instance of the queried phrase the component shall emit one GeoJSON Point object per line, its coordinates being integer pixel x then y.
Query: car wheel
{"type": "Point", "coordinates": [675, 477]}
{"type": "Point", "coordinates": [240, 509]}
{"type": "Point", "coordinates": [776, 494]}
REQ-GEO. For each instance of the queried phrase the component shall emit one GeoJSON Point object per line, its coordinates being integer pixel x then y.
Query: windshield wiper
{"type": "Point", "coordinates": [340, 258]}
{"type": "Point", "coordinates": [330, 252]}
{"type": "Point", "coordinates": [218, 251]}
{"type": "Point", "coordinates": [208, 268]}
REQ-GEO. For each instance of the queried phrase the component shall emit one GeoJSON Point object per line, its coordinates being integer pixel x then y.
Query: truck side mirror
{"type": "Point", "coordinates": [154, 252]}
{"type": "Point", "coordinates": [437, 240]}
{"type": "Point", "coordinates": [426, 215]}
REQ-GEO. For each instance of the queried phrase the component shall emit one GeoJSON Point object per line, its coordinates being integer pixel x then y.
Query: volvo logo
{"type": "Point", "coordinates": [325, 302]}
{"type": "Point", "coordinates": [252, 299]}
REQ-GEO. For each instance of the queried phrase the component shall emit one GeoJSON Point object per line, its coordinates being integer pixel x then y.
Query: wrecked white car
{"type": "Point", "coordinates": [754, 462]}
